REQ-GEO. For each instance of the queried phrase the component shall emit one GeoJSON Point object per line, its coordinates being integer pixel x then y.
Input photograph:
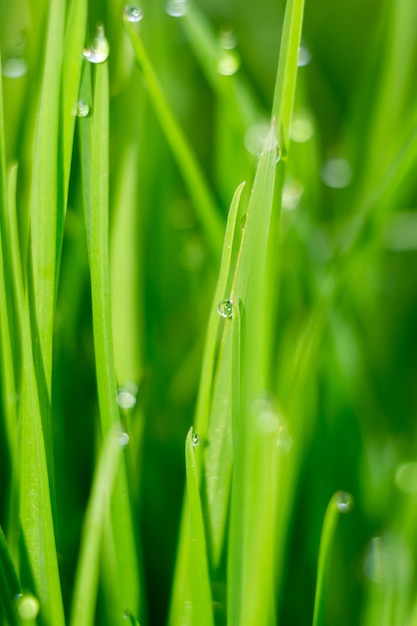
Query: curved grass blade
{"type": "Point", "coordinates": [204, 203]}
{"type": "Point", "coordinates": [341, 502]}
{"type": "Point", "coordinates": [98, 509]}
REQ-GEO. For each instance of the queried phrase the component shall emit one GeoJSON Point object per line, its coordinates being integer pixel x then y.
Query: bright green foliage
{"type": "Point", "coordinates": [208, 236]}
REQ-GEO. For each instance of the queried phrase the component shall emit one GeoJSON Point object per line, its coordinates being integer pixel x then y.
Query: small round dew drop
{"type": "Point", "coordinates": [229, 62]}
{"type": "Point", "coordinates": [225, 308]}
{"type": "Point", "coordinates": [82, 109]}
{"type": "Point", "coordinates": [195, 440]}
{"type": "Point", "coordinates": [344, 501]}
{"type": "Point", "coordinates": [27, 606]}
{"type": "Point", "coordinates": [133, 14]}
{"type": "Point", "coordinates": [122, 439]}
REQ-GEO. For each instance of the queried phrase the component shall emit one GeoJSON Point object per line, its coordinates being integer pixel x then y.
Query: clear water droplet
{"type": "Point", "coordinates": [14, 67]}
{"type": "Point", "coordinates": [196, 440]}
{"type": "Point", "coordinates": [27, 606]}
{"type": "Point", "coordinates": [388, 562]}
{"type": "Point", "coordinates": [268, 422]}
{"type": "Point", "coordinates": [123, 439]}
{"type": "Point", "coordinates": [406, 477]}
{"type": "Point", "coordinates": [133, 14]}
{"type": "Point", "coordinates": [243, 221]}
{"type": "Point", "coordinates": [83, 109]}
{"type": "Point", "coordinates": [126, 396]}
{"type": "Point", "coordinates": [279, 154]}
{"type": "Point", "coordinates": [100, 49]}
{"type": "Point", "coordinates": [301, 129]}
{"type": "Point", "coordinates": [229, 62]}
{"type": "Point", "coordinates": [344, 501]}
{"type": "Point", "coordinates": [176, 8]}
{"type": "Point", "coordinates": [336, 173]}
{"type": "Point", "coordinates": [304, 56]}
{"type": "Point", "coordinates": [225, 308]}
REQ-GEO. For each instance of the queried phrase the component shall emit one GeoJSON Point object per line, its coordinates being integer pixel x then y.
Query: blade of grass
{"type": "Point", "coordinates": [180, 595]}
{"type": "Point", "coordinates": [204, 203]}
{"type": "Point", "coordinates": [201, 604]}
{"type": "Point", "coordinates": [9, 582]}
{"type": "Point", "coordinates": [253, 512]}
{"type": "Point", "coordinates": [98, 508]}
{"type": "Point", "coordinates": [95, 165]}
{"type": "Point", "coordinates": [341, 502]}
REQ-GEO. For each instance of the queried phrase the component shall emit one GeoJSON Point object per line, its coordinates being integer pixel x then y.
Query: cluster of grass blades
{"type": "Point", "coordinates": [174, 251]}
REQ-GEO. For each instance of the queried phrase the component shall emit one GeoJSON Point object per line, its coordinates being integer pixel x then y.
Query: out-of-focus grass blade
{"type": "Point", "coordinates": [8, 387]}
{"type": "Point", "coordinates": [98, 509]}
{"type": "Point", "coordinates": [341, 502]}
{"type": "Point", "coordinates": [201, 195]}
{"type": "Point", "coordinates": [287, 70]}
{"type": "Point", "coordinates": [71, 75]}
{"type": "Point", "coordinates": [201, 604]}
{"type": "Point", "coordinates": [9, 583]}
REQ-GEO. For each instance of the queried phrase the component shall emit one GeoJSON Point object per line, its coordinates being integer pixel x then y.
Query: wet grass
{"type": "Point", "coordinates": [207, 313]}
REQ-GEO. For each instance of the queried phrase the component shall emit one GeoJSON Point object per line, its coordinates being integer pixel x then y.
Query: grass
{"type": "Point", "coordinates": [207, 313]}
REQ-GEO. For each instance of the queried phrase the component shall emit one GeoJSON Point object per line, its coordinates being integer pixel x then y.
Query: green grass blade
{"type": "Point", "coordinates": [35, 504]}
{"type": "Point", "coordinates": [95, 164]}
{"type": "Point", "coordinates": [98, 509]}
{"type": "Point", "coordinates": [180, 586]}
{"type": "Point", "coordinates": [45, 200]}
{"type": "Point", "coordinates": [287, 70]}
{"type": "Point", "coordinates": [9, 582]}
{"type": "Point", "coordinates": [7, 359]}
{"type": "Point", "coordinates": [201, 609]}
{"type": "Point", "coordinates": [200, 193]}
{"type": "Point", "coordinates": [341, 502]}
{"type": "Point", "coordinates": [71, 75]}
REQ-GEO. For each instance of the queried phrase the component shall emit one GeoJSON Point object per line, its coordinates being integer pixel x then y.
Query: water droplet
{"type": "Point", "coordinates": [243, 221]}
{"type": "Point", "coordinates": [123, 439]}
{"type": "Point", "coordinates": [126, 396]}
{"type": "Point", "coordinates": [301, 129]}
{"type": "Point", "coordinates": [100, 49]}
{"type": "Point", "coordinates": [27, 606]}
{"type": "Point", "coordinates": [196, 440]}
{"type": "Point", "coordinates": [388, 562]}
{"type": "Point", "coordinates": [406, 477]}
{"type": "Point", "coordinates": [336, 173]}
{"type": "Point", "coordinates": [291, 194]}
{"type": "Point", "coordinates": [83, 109]}
{"type": "Point", "coordinates": [279, 154]}
{"type": "Point", "coordinates": [225, 308]}
{"type": "Point", "coordinates": [343, 501]}
{"type": "Point", "coordinates": [133, 14]}
{"type": "Point", "coordinates": [304, 56]}
{"type": "Point", "coordinates": [229, 62]}
{"type": "Point", "coordinates": [176, 8]}
{"type": "Point", "coordinates": [126, 615]}
{"type": "Point", "coordinates": [14, 67]}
